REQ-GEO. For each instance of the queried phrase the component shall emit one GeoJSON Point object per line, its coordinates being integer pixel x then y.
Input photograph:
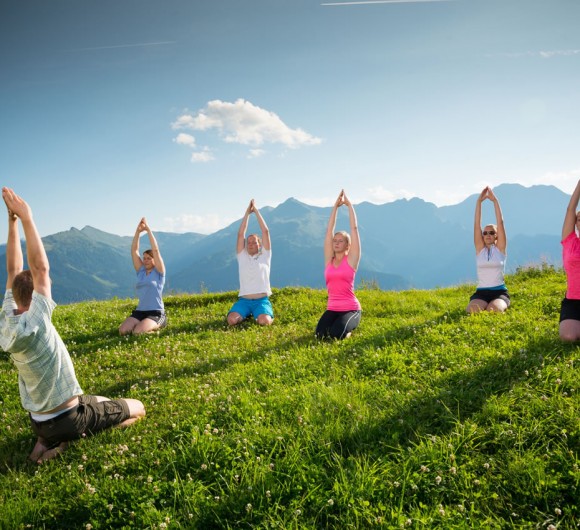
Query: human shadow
{"type": "Point", "coordinates": [460, 396]}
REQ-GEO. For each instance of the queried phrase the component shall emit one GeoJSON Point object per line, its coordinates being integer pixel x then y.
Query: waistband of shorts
{"type": "Point", "coordinates": [501, 287]}
{"type": "Point", "coordinates": [56, 419]}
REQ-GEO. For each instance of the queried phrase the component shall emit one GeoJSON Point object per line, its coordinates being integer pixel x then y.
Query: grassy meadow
{"type": "Point", "coordinates": [424, 418]}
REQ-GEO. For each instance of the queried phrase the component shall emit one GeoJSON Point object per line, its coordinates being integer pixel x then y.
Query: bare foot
{"type": "Point", "coordinates": [52, 453]}
{"type": "Point", "coordinates": [39, 449]}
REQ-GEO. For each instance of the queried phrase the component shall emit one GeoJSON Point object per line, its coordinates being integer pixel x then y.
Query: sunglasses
{"type": "Point", "coordinates": [489, 232]}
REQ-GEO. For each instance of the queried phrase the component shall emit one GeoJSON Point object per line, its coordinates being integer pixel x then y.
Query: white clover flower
{"type": "Point", "coordinates": [330, 502]}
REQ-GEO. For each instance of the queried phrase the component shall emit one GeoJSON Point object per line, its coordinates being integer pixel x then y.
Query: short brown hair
{"type": "Point", "coordinates": [22, 287]}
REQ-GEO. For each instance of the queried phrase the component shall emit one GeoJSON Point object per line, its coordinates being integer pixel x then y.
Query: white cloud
{"type": "Point", "coordinates": [565, 180]}
{"type": "Point", "coordinates": [202, 224]}
{"type": "Point", "coordinates": [380, 195]}
{"type": "Point", "coordinates": [256, 153]}
{"type": "Point", "coordinates": [202, 156]}
{"type": "Point", "coordinates": [243, 123]}
{"type": "Point", "coordinates": [185, 139]}
{"type": "Point", "coordinates": [544, 54]}
{"type": "Point", "coordinates": [555, 53]}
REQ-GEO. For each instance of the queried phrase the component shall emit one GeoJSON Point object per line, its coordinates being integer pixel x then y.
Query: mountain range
{"type": "Point", "coordinates": [408, 243]}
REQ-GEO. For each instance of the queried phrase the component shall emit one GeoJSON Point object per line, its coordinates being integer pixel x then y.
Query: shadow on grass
{"type": "Point", "coordinates": [215, 365]}
{"type": "Point", "coordinates": [460, 396]}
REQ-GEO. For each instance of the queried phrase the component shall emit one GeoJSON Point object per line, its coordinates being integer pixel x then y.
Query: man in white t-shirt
{"type": "Point", "coordinates": [254, 257]}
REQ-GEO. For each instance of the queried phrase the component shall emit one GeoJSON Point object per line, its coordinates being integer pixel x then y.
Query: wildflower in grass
{"type": "Point", "coordinates": [453, 470]}
{"type": "Point", "coordinates": [441, 510]}
{"type": "Point", "coordinates": [557, 511]}
{"type": "Point", "coordinates": [330, 502]}
{"type": "Point", "coordinates": [437, 480]}
{"type": "Point", "coordinates": [248, 507]}
{"type": "Point", "coordinates": [551, 527]}
{"type": "Point", "coordinates": [268, 494]}
{"type": "Point", "coordinates": [396, 484]}
{"type": "Point", "coordinates": [88, 526]}
{"type": "Point", "coordinates": [408, 522]}
{"type": "Point", "coordinates": [203, 467]}
{"type": "Point", "coordinates": [298, 512]}
{"type": "Point", "coordinates": [476, 482]}
{"type": "Point", "coordinates": [424, 469]}
{"type": "Point", "coordinates": [486, 465]}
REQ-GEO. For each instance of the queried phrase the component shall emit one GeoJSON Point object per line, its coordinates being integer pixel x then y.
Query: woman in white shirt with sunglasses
{"type": "Point", "coordinates": [490, 249]}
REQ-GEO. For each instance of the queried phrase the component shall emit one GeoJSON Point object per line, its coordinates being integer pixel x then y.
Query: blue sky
{"type": "Point", "coordinates": [182, 111]}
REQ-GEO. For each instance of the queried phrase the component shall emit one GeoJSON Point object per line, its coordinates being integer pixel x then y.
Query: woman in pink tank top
{"type": "Point", "coordinates": [570, 309]}
{"type": "Point", "coordinates": [342, 252]}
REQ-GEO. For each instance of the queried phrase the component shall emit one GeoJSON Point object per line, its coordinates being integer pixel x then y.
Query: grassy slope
{"type": "Point", "coordinates": [425, 418]}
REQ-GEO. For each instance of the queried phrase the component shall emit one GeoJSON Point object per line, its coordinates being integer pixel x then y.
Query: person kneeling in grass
{"type": "Point", "coordinates": [49, 390]}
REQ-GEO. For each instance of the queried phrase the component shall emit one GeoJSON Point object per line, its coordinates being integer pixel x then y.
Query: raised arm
{"type": "Point", "coordinates": [477, 236]}
{"type": "Point", "coordinates": [328, 247]}
{"type": "Point", "coordinates": [135, 256]}
{"type": "Point", "coordinates": [241, 241]}
{"type": "Point", "coordinates": [570, 218]}
{"type": "Point", "coordinates": [14, 258]}
{"type": "Point", "coordinates": [266, 243]}
{"type": "Point", "coordinates": [501, 243]}
{"type": "Point", "coordinates": [354, 253]}
{"type": "Point", "coordinates": [159, 264]}
{"type": "Point", "coordinates": [36, 255]}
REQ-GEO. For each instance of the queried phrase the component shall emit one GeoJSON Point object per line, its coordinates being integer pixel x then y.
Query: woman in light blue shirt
{"type": "Point", "coordinates": [150, 313]}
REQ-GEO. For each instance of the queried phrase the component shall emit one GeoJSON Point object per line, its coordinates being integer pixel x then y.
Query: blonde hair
{"type": "Point", "coordinates": [346, 236]}
{"type": "Point", "coordinates": [257, 237]}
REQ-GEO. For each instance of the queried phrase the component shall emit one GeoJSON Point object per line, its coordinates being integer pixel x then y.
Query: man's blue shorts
{"type": "Point", "coordinates": [246, 307]}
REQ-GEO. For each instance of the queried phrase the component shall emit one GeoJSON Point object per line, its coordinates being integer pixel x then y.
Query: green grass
{"type": "Point", "coordinates": [424, 418]}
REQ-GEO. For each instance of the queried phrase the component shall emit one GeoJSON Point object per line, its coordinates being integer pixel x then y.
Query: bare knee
{"type": "Point", "coordinates": [475, 306]}
{"type": "Point", "coordinates": [234, 319]}
{"type": "Point", "coordinates": [264, 320]}
{"type": "Point", "coordinates": [499, 306]}
{"type": "Point", "coordinates": [570, 330]}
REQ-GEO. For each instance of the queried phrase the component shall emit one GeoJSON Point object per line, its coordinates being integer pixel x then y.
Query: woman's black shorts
{"type": "Point", "coordinates": [489, 295]}
{"type": "Point", "coordinates": [570, 309]}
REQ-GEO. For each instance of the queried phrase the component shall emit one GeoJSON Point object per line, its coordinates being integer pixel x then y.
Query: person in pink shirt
{"type": "Point", "coordinates": [570, 309]}
{"type": "Point", "coordinates": [342, 254]}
